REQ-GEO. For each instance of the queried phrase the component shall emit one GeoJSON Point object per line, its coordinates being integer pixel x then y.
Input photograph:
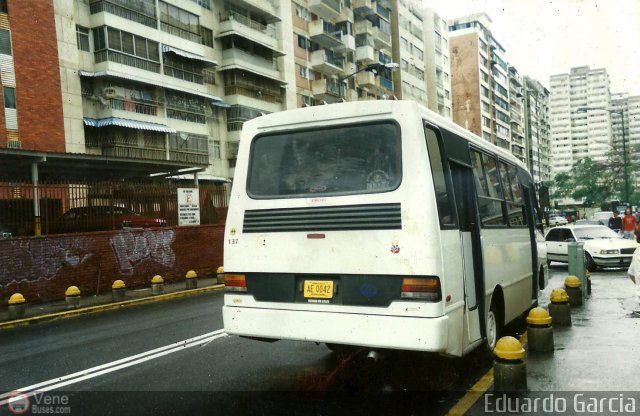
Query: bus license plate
{"type": "Point", "coordinates": [318, 289]}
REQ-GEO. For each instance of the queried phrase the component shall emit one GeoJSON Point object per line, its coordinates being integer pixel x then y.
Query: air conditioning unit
{"type": "Point", "coordinates": [13, 144]}
{"type": "Point", "coordinates": [109, 92]}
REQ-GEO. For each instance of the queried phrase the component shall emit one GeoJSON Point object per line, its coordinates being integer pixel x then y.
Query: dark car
{"type": "Point", "coordinates": [100, 218]}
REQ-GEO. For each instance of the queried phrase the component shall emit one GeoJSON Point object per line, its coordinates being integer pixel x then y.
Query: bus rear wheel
{"type": "Point", "coordinates": [493, 329]}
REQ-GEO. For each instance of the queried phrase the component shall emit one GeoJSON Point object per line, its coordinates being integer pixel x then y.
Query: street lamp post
{"type": "Point", "coordinates": [373, 68]}
{"type": "Point", "coordinates": [624, 146]}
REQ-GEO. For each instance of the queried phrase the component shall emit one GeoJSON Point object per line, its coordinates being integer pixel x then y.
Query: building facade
{"type": "Point", "coordinates": [480, 80]}
{"type": "Point", "coordinates": [437, 67]}
{"type": "Point", "coordinates": [408, 39]}
{"type": "Point", "coordinates": [32, 114]}
{"type": "Point", "coordinates": [537, 129]}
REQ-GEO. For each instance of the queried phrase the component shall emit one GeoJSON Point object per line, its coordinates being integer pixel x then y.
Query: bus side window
{"type": "Point", "coordinates": [446, 213]}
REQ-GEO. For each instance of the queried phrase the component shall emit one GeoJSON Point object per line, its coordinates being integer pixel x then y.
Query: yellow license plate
{"type": "Point", "coordinates": [318, 289]}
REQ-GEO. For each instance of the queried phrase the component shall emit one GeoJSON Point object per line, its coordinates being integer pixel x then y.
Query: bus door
{"type": "Point", "coordinates": [470, 240]}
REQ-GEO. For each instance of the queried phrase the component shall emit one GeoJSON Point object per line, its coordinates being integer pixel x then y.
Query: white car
{"type": "Point", "coordinates": [558, 220]}
{"type": "Point", "coordinates": [602, 246]}
{"type": "Point", "coordinates": [543, 262]}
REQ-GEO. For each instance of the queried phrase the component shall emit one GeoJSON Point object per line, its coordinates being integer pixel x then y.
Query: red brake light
{"type": "Point", "coordinates": [421, 288]}
{"type": "Point", "coordinates": [235, 283]}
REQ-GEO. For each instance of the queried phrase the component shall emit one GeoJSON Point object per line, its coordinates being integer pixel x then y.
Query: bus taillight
{"type": "Point", "coordinates": [235, 283]}
{"type": "Point", "coordinates": [427, 288]}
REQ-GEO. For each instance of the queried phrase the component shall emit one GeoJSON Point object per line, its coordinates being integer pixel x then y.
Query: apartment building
{"type": "Point", "coordinates": [175, 80]}
{"type": "Point", "coordinates": [480, 80]}
{"type": "Point", "coordinates": [32, 114]}
{"type": "Point", "coordinates": [408, 39]}
{"type": "Point", "coordinates": [625, 127]}
{"type": "Point", "coordinates": [518, 145]}
{"type": "Point", "coordinates": [144, 79]}
{"type": "Point", "coordinates": [580, 123]}
{"type": "Point", "coordinates": [437, 67]}
{"type": "Point", "coordinates": [537, 129]}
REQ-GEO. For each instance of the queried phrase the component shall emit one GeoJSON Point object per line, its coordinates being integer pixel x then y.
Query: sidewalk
{"type": "Point", "coordinates": [102, 302]}
{"type": "Point", "coordinates": [595, 361]}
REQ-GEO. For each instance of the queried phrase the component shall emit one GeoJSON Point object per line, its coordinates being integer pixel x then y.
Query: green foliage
{"type": "Point", "coordinates": [595, 181]}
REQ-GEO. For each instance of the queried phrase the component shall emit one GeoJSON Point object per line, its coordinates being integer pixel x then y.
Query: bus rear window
{"type": "Point", "coordinates": [343, 160]}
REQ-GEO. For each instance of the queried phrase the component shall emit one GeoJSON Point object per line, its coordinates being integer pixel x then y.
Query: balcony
{"type": "Point", "coordinates": [233, 22]}
{"type": "Point", "coordinates": [366, 55]}
{"type": "Point", "coordinates": [124, 9]}
{"type": "Point", "coordinates": [366, 79]}
{"type": "Point", "coordinates": [326, 89]}
{"type": "Point", "coordinates": [386, 83]}
{"type": "Point", "coordinates": [363, 27]}
{"type": "Point", "coordinates": [346, 15]}
{"type": "Point", "coordinates": [381, 39]}
{"type": "Point", "coordinates": [363, 7]}
{"type": "Point", "coordinates": [382, 11]}
{"type": "Point", "coordinates": [326, 9]}
{"type": "Point", "coordinates": [264, 8]}
{"type": "Point", "coordinates": [326, 62]}
{"type": "Point", "coordinates": [325, 34]}
{"type": "Point", "coordinates": [124, 59]}
{"type": "Point", "coordinates": [348, 44]}
{"type": "Point", "coordinates": [181, 33]}
{"type": "Point", "coordinates": [238, 58]}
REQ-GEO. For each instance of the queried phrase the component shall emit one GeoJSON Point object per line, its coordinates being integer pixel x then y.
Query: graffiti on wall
{"type": "Point", "coordinates": [31, 260]}
{"type": "Point", "coordinates": [132, 248]}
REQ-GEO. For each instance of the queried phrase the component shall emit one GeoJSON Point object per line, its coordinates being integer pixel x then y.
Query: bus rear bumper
{"type": "Point", "coordinates": [375, 331]}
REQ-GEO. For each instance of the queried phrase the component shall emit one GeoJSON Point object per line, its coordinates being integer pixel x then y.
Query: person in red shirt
{"type": "Point", "coordinates": [628, 224]}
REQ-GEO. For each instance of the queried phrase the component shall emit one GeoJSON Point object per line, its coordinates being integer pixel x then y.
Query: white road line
{"type": "Point", "coordinates": [92, 372]}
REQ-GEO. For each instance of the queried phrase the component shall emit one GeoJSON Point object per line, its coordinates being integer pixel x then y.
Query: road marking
{"type": "Point", "coordinates": [99, 370]}
{"type": "Point", "coordinates": [478, 389]}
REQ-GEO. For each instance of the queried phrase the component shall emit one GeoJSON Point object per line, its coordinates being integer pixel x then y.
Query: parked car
{"type": "Point", "coordinates": [603, 247]}
{"type": "Point", "coordinates": [602, 216]}
{"type": "Point", "coordinates": [99, 218]}
{"type": "Point", "coordinates": [590, 222]}
{"type": "Point", "coordinates": [558, 220]}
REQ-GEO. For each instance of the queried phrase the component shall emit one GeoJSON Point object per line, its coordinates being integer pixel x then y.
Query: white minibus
{"type": "Point", "coordinates": [377, 224]}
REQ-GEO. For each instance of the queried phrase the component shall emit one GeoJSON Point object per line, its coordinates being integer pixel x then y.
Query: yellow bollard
{"type": "Point", "coordinates": [540, 333]}
{"type": "Point", "coordinates": [509, 368]}
{"type": "Point", "coordinates": [17, 306]}
{"type": "Point", "coordinates": [72, 297]}
{"type": "Point", "coordinates": [572, 286]}
{"type": "Point", "coordinates": [220, 275]}
{"type": "Point", "coordinates": [191, 279]}
{"type": "Point", "coordinates": [559, 308]}
{"type": "Point", "coordinates": [118, 291]}
{"type": "Point", "coordinates": [157, 285]}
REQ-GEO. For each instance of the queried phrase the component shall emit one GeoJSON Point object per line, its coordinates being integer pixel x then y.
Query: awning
{"type": "Point", "coordinates": [132, 124]}
{"type": "Point", "coordinates": [249, 69]}
{"type": "Point", "coordinates": [220, 104]}
{"type": "Point", "coordinates": [185, 54]}
{"type": "Point", "coordinates": [116, 74]}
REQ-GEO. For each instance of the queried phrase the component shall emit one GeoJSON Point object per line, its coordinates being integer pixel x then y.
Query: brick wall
{"type": "Point", "coordinates": [38, 93]}
{"type": "Point", "coordinates": [41, 268]}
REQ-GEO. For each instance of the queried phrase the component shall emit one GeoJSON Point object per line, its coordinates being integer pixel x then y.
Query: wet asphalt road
{"type": "Point", "coordinates": [224, 374]}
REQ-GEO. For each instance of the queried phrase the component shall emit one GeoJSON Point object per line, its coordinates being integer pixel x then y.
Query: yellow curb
{"type": "Point", "coordinates": [108, 306]}
{"type": "Point", "coordinates": [477, 390]}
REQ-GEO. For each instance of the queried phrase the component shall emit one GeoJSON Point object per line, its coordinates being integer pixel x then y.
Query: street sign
{"type": "Point", "coordinates": [188, 206]}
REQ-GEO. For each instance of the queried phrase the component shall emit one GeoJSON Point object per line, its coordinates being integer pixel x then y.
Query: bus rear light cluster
{"type": "Point", "coordinates": [235, 283]}
{"type": "Point", "coordinates": [424, 288]}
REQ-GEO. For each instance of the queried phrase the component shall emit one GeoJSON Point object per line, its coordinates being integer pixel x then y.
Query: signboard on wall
{"type": "Point", "coordinates": [188, 206]}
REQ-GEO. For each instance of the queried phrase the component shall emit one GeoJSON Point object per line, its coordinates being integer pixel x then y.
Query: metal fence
{"type": "Point", "coordinates": [57, 202]}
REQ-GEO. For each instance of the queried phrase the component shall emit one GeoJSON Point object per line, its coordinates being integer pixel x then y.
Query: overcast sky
{"type": "Point", "coordinates": [545, 37]}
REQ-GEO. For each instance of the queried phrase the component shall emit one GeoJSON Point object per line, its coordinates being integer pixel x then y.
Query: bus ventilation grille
{"type": "Point", "coordinates": [342, 218]}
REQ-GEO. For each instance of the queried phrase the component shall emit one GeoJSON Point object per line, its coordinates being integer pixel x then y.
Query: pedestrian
{"type": "Point", "coordinates": [634, 267]}
{"type": "Point", "coordinates": [615, 222]}
{"type": "Point", "coordinates": [628, 224]}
